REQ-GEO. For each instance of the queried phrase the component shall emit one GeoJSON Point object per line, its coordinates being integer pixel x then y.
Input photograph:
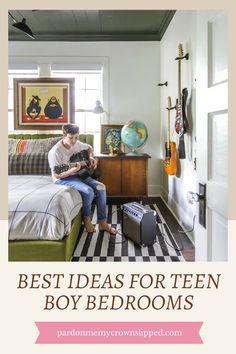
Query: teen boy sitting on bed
{"type": "Point", "coordinates": [88, 187]}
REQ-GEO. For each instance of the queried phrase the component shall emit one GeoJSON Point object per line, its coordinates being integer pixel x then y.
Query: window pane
{"type": "Point", "coordinates": [87, 90]}
{"type": "Point", "coordinates": [93, 81]}
{"type": "Point", "coordinates": [90, 98]}
{"type": "Point", "coordinates": [80, 81]}
{"type": "Point", "coordinates": [80, 100]}
{"type": "Point", "coordinates": [80, 121]}
{"type": "Point", "coordinates": [93, 122]}
{"type": "Point", "coordinates": [63, 74]}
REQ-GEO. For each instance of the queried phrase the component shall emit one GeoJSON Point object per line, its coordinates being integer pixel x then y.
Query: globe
{"type": "Point", "coordinates": [134, 134]}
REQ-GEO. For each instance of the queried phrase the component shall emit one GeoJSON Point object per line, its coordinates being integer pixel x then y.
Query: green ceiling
{"type": "Point", "coordinates": [91, 25]}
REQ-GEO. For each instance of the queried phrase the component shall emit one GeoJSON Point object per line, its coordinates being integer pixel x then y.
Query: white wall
{"type": "Point", "coordinates": [132, 72]}
{"type": "Point", "coordinates": [182, 29]}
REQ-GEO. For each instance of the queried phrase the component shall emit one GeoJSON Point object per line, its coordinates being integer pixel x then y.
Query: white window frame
{"type": "Point", "coordinates": [45, 63]}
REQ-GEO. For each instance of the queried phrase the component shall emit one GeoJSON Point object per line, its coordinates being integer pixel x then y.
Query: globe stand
{"type": "Point", "coordinates": [134, 152]}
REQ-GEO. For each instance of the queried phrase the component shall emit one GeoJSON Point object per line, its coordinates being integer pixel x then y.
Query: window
{"type": "Point", "coordinates": [88, 89]}
{"type": "Point", "coordinates": [30, 73]}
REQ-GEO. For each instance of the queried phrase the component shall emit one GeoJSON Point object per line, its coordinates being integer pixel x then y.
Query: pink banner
{"type": "Point", "coordinates": [119, 332]}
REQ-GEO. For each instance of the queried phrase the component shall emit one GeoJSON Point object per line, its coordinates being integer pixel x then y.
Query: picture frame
{"type": "Point", "coordinates": [111, 132]}
{"type": "Point", "coordinates": [43, 103]}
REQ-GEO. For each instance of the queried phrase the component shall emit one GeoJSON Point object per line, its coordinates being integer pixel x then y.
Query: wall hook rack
{"type": "Point", "coordinates": [164, 84]}
{"type": "Point", "coordinates": [186, 56]}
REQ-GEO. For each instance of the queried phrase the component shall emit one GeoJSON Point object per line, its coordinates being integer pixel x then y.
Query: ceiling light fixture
{"type": "Point", "coordinates": [22, 26]}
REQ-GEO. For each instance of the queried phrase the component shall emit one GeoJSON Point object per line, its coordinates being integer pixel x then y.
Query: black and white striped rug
{"type": "Point", "coordinates": [100, 247]}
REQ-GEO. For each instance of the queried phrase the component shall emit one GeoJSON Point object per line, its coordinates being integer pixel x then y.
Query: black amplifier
{"type": "Point", "coordinates": [138, 223]}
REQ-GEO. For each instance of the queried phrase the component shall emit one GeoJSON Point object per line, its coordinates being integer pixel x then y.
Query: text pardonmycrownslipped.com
{"type": "Point", "coordinates": [121, 333]}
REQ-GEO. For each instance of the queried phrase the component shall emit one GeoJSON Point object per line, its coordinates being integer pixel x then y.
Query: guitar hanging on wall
{"type": "Point", "coordinates": [181, 122]}
{"type": "Point", "coordinates": [170, 163]}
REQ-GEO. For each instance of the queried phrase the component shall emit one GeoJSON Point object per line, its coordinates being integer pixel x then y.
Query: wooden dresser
{"type": "Point", "coordinates": [124, 175]}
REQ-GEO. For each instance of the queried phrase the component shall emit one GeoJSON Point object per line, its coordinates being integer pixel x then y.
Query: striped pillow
{"type": "Point", "coordinates": [28, 164]}
{"type": "Point", "coordinates": [31, 145]}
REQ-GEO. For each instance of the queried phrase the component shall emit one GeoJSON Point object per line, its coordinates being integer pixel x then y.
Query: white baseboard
{"type": "Point", "coordinates": [154, 190]}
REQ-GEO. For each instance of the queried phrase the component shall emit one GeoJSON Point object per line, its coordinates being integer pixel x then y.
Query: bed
{"type": "Point", "coordinates": [51, 237]}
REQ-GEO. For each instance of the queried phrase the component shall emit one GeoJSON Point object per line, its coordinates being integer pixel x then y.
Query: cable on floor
{"type": "Point", "coordinates": [183, 232]}
{"type": "Point", "coordinates": [118, 232]}
{"type": "Point", "coordinates": [180, 231]}
{"type": "Point", "coordinates": [165, 240]}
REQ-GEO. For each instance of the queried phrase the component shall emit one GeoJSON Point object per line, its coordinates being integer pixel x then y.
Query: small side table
{"type": "Point", "coordinates": [124, 175]}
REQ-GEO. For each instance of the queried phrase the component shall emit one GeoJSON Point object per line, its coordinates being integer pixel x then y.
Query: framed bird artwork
{"type": "Point", "coordinates": [43, 103]}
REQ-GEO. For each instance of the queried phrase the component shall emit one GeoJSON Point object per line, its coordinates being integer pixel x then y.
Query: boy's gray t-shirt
{"type": "Point", "coordinates": [60, 155]}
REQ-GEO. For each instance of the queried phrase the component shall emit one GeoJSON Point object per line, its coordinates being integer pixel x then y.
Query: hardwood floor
{"type": "Point", "coordinates": [181, 238]}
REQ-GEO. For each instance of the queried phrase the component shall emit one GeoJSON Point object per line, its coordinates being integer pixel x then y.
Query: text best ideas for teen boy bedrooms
{"type": "Point", "coordinates": [80, 290]}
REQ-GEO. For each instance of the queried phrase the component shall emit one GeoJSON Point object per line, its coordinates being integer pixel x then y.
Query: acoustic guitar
{"type": "Point", "coordinates": [85, 171]}
{"type": "Point", "coordinates": [170, 163]}
{"type": "Point", "coordinates": [181, 122]}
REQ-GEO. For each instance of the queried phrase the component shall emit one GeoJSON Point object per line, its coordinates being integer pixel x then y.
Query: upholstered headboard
{"type": "Point", "coordinates": [28, 153]}
{"type": "Point", "coordinates": [85, 138]}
